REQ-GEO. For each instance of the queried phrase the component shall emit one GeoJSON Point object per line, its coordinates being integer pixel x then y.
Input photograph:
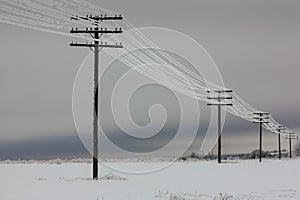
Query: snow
{"type": "Point", "coordinates": [271, 179]}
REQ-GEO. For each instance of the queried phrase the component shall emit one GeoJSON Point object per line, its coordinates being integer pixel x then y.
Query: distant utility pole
{"type": "Point", "coordinates": [296, 138]}
{"type": "Point", "coordinates": [219, 98]}
{"type": "Point", "coordinates": [290, 137]}
{"type": "Point", "coordinates": [96, 32]}
{"type": "Point", "coordinates": [261, 118]}
{"type": "Point", "coordinates": [279, 129]}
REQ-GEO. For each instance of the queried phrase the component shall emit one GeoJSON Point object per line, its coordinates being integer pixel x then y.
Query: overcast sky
{"type": "Point", "coordinates": [255, 44]}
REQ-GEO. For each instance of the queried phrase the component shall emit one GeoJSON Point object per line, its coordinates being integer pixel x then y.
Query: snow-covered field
{"type": "Point", "coordinates": [271, 179]}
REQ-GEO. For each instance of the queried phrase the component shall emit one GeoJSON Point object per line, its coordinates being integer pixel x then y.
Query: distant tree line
{"type": "Point", "coordinates": [252, 155]}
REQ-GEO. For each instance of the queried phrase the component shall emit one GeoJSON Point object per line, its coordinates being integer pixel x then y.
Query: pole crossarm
{"type": "Point", "coordinates": [96, 45]}
{"type": "Point", "coordinates": [290, 137]}
{"type": "Point", "coordinates": [217, 98]}
{"type": "Point", "coordinates": [97, 17]}
{"type": "Point", "coordinates": [261, 113]}
{"type": "Point", "coordinates": [261, 117]}
{"type": "Point", "coordinates": [220, 91]}
{"type": "Point", "coordinates": [220, 104]}
{"type": "Point", "coordinates": [93, 31]}
{"type": "Point", "coordinates": [263, 122]}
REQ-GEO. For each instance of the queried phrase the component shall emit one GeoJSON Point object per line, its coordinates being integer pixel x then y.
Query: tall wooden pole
{"type": "Point", "coordinates": [219, 134]}
{"type": "Point", "coordinates": [260, 141]}
{"type": "Point", "coordinates": [261, 118]}
{"type": "Point", "coordinates": [279, 147]}
{"type": "Point", "coordinates": [219, 103]}
{"type": "Point", "coordinates": [290, 144]}
{"type": "Point", "coordinates": [95, 108]}
{"type": "Point", "coordinates": [96, 33]}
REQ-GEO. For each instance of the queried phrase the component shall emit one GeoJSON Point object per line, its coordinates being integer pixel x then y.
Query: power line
{"type": "Point", "coordinates": [60, 15]}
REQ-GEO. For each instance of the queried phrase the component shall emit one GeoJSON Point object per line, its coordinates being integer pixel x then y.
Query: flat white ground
{"type": "Point", "coordinates": [271, 179]}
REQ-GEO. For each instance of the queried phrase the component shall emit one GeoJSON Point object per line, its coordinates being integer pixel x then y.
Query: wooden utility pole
{"type": "Point", "coordinates": [279, 130]}
{"type": "Point", "coordinates": [96, 32]}
{"type": "Point", "coordinates": [290, 137]}
{"type": "Point", "coordinates": [219, 98]}
{"type": "Point", "coordinates": [261, 118]}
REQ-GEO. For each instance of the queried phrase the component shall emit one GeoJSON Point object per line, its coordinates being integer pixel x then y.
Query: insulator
{"type": "Point", "coordinates": [105, 43]}
{"type": "Point", "coordinates": [105, 15]}
{"type": "Point", "coordinates": [76, 29]}
{"type": "Point", "coordinates": [120, 29]}
{"type": "Point", "coordinates": [105, 28]}
{"type": "Point", "coordinates": [120, 15]}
